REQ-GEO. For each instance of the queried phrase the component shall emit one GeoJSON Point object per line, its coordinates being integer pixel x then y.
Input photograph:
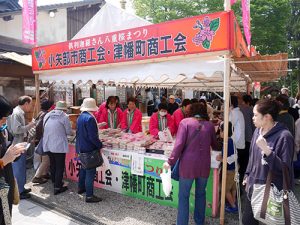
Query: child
{"type": "Point", "coordinates": [230, 183]}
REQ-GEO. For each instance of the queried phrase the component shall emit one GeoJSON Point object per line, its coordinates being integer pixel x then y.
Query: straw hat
{"type": "Point", "coordinates": [89, 104]}
{"type": "Point", "coordinates": [172, 96]}
{"type": "Point", "coordinates": [61, 105]}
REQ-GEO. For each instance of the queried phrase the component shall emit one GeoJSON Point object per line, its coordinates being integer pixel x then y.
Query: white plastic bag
{"type": "Point", "coordinates": [165, 135]}
{"type": "Point", "coordinates": [166, 182]}
{"type": "Point", "coordinates": [106, 163]}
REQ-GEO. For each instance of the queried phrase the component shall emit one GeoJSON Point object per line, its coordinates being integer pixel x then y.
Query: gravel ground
{"type": "Point", "coordinates": [115, 209]}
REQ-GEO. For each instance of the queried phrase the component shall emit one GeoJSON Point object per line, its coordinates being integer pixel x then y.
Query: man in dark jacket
{"type": "Point", "coordinates": [87, 140]}
{"type": "Point", "coordinates": [172, 106]}
{"type": "Point", "coordinates": [284, 116]}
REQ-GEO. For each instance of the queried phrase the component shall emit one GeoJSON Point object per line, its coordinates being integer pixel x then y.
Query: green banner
{"type": "Point", "coordinates": [149, 186]}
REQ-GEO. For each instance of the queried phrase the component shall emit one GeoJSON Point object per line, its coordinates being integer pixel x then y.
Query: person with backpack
{"type": "Point", "coordinates": [42, 169]}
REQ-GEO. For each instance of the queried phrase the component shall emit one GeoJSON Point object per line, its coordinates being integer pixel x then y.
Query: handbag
{"type": "Point", "coordinates": [274, 207]}
{"type": "Point", "coordinates": [175, 171]}
{"type": "Point", "coordinates": [39, 148]}
{"type": "Point", "coordinates": [91, 160]}
{"type": "Point", "coordinates": [175, 168]}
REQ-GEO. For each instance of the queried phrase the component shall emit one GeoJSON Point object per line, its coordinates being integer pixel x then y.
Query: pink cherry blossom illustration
{"type": "Point", "coordinates": [207, 30]}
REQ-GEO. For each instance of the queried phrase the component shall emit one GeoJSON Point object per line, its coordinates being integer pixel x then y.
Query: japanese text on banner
{"type": "Point", "coordinates": [29, 22]}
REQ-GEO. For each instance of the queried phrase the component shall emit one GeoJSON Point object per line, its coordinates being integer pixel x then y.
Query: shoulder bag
{"type": "Point", "coordinates": [274, 207]}
{"type": "Point", "coordinates": [90, 160]}
{"type": "Point", "coordinates": [39, 148]}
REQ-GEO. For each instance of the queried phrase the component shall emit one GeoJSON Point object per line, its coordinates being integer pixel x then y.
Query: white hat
{"type": "Point", "coordinates": [89, 104]}
{"type": "Point", "coordinates": [61, 105]}
{"type": "Point", "coordinates": [284, 89]}
{"type": "Point", "coordinates": [172, 96]}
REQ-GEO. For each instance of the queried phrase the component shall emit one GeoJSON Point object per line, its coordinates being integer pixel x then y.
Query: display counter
{"type": "Point", "coordinates": [121, 177]}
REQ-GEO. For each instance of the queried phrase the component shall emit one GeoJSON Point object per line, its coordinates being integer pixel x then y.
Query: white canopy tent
{"type": "Point", "coordinates": [110, 18]}
{"type": "Point", "coordinates": [195, 72]}
{"type": "Point", "coordinates": [205, 70]}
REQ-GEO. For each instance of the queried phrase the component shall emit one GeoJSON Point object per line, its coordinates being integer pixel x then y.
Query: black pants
{"type": "Point", "coordinates": [243, 158]}
{"type": "Point", "coordinates": [57, 168]}
{"type": "Point", "coordinates": [248, 218]}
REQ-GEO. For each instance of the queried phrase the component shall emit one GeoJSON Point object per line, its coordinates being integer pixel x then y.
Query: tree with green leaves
{"type": "Point", "coordinates": [275, 24]}
{"type": "Point", "coordinates": [268, 24]}
{"type": "Point", "coordinates": [294, 45]}
{"type": "Point", "coordinates": [162, 10]}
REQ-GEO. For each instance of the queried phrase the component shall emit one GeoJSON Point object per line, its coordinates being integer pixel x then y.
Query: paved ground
{"type": "Point", "coordinates": [28, 213]}
{"type": "Point", "coordinates": [116, 209]}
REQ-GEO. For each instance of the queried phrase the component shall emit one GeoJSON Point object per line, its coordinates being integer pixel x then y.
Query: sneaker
{"type": "Point", "coordinates": [81, 191]}
{"type": "Point", "coordinates": [93, 199]}
{"type": "Point", "coordinates": [27, 190]}
{"type": "Point", "coordinates": [24, 195]}
{"type": "Point", "coordinates": [39, 180]}
{"type": "Point", "coordinates": [230, 209]}
{"type": "Point", "coordinates": [60, 190]}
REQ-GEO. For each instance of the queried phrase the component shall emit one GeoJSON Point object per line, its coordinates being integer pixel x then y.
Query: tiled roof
{"type": "Point", "coordinates": [14, 45]}
{"type": "Point", "coordinates": [70, 4]}
{"type": "Point", "coordinates": [9, 6]}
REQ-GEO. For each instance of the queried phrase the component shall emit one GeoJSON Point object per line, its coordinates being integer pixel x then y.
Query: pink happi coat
{"type": "Point", "coordinates": [104, 117]}
{"type": "Point", "coordinates": [99, 112]}
{"type": "Point", "coordinates": [154, 124]}
{"type": "Point", "coordinates": [136, 125]}
{"type": "Point", "coordinates": [177, 117]}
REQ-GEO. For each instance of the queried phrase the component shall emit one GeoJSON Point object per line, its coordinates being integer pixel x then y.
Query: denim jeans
{"type": "Point", "coordinates": [19, 169]}
{"type": "Point", "coordinates": [185, 186]}
{"type": "Point", "coordinates": [86, 181]}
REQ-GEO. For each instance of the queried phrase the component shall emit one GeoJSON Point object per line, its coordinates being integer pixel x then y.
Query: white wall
{"type": "Point", "coordinates": [49, 30]}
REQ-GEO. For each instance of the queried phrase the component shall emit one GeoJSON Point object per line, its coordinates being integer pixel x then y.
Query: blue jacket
{"type": "Point", "coordinates": [87, 137]}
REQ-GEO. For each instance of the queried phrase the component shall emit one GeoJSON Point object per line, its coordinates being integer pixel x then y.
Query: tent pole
{"type": "Point", "coordinates": [225, 141]}
{"type": "Point", "coordinates": [134, 90]}
{"type": "Point", "coordinates": [37, 96]}
{"type": "Point", "coordinates": [227, 68]}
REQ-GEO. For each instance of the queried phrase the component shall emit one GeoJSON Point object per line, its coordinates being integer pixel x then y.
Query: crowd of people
{"type": "Point", "coordinates": [262, 132]}
{"type": "Point", "coordinates": [265, 134]}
